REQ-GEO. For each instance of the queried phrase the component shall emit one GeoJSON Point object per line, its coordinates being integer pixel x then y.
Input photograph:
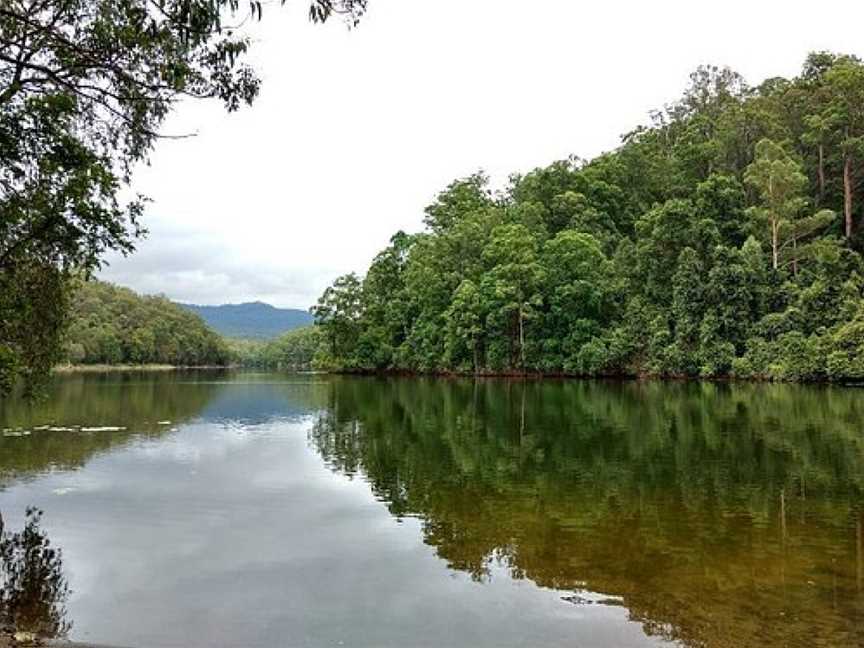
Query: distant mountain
{"type": "Point", "coordinates": [251, 320]}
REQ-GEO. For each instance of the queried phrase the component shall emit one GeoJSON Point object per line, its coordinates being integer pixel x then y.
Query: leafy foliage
{"type": "Point", "coordinates": [293, 351]}
{"type": "Point", "coordinates": [33, 586]}
{"type": "Point", "coordinates": [113, 325]}
{"type": "Point", "coordinates": [85, 86]}
{"type": "Point", "coordinates": [708, 244]}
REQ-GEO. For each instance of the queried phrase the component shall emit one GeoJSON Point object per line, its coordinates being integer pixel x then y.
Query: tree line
{"type": "Point", "coordinates": [292, 351]}
{"type": "Point", "coordinates": [724, 238]}
{"type": "Point", "coordinates": [114, 325]}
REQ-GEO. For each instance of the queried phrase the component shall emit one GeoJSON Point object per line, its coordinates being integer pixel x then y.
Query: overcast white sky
{"type": "Point", "coordinates": [356, 131]}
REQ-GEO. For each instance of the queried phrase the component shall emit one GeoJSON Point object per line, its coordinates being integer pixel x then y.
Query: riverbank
{"type": "Point", "coordinates": [405, 373]}
{"type": "Point", "coordinates": [79, 368]}
{"type": "Point", "coordinates": [101, 368]}
{"type": "Point", "coordinates": [641, 377]}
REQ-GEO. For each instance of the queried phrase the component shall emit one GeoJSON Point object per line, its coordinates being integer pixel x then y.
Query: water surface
{"type": "Point", "coordinates": [277, 510]}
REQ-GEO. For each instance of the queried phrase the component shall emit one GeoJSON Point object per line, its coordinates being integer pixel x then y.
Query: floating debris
{"type": "Point", "coordinates": [16, 433]}
{"type": "Point", "coordinates": [60, 428]}
{"type": "Point", "coordinates": [40, 428]}
{"type": "Point", "coordinates": [104, 428]}
{"type": "Point", "coordinates": [163, 422]}
{"type": "Point", "coordinates": [63, 491]}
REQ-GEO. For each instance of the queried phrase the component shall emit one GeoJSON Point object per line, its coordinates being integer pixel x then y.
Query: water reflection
{"type": "Point", "coordinates": [90, 413]}
{"type": "Point", "coordinates": [33, 586]}
{"type": "Point", "coordinates": [722, 515]}
{"type": "Point", "coordinates": [263, 510]}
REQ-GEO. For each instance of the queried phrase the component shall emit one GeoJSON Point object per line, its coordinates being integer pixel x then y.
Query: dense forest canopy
{"type": "Point", "coordinates": [724, 238]}
{"type": "Point", "coordinates": [114, 325]}
{"type": "Point", "coordinates": [294, 350]}
{"type": "Point", "coordinates": [85, 87]}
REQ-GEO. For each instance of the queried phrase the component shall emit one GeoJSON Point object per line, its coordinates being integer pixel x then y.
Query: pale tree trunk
{"type": "Point", "coordinates": [847, 193]}
{"type": "Point", "coordinates": [775, 243]}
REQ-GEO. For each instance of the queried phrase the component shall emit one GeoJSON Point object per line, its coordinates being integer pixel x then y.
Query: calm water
{"type": "Point", "coordinates": [277, 510]}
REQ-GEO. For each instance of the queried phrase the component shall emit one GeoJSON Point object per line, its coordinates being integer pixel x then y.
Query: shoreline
{"type": "Point", "coordinates": [531, 375]}
{"type": "Point", "coordinates": [405, 373]}
{"type": "Point", "coordinates": [102, 368]}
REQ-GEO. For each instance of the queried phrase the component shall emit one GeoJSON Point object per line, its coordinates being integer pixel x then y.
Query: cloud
{"type": "Point", "coordinates": [194, 265]}
{"type": "Point", "coordinates": [355, 131]}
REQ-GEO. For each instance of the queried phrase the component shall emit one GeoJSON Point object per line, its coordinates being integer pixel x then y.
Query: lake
{"type": "Point", "coordinates": [254, 509]}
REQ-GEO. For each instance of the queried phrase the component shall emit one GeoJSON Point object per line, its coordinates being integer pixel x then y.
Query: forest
{"type": "Point", "coordinates": [723, 239]}
{"type": "Point", "coordinates": [114, 325]}
{"type": "Point", "coordinates": [294, 350]}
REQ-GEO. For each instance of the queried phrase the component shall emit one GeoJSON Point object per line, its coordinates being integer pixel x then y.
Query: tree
{"type": "Point", "coordinates": [85, 86]}
{"type": "Point", "coordinates": [845, 114]}
{"type": "Point", "coordinates": [33, 298]}
{"type": "Point", "coordinates": [460, 198]}
{"type": "Point", "coordinates": [722, 199]}
{"type": "Point", "coordinates": [512, 283]}
{"type": "Point", "coordinates": [465, 322]}
{"type": "Point", "coordinates": [688, 309]}
{"type": "Point", "coordinates": [779, 180]}
{"type": "Point", "coordinates": [338, 313]}
{"type": "Point", "coordinates": [576, 286]}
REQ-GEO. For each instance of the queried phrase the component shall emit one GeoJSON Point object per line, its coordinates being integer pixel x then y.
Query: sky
{"type": "Point", "coordinates": [356, 131]}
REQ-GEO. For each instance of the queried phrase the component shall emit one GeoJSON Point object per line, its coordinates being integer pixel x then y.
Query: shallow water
{"type": "Point", "coordinates": [277, 510]}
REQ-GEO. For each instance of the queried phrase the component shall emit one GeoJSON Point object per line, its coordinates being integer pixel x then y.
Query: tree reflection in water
{"type": "Point", "coordinates": [719, 515]}
{"type": "Point", "coordinates": [33, 587]}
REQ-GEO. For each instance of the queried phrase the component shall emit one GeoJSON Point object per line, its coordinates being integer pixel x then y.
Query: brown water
{"type": "Point", "coordinates": [277, 510]}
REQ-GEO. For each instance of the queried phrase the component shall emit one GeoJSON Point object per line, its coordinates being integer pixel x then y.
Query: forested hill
{"type": "Point", "coordinates": [722, 238]}
{"type": "Point", "coordinates": [114, 325]}
{"type": "Point", "coordinates": [254, 320]}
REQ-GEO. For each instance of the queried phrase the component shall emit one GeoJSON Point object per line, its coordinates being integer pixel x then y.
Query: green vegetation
{"type": "Point", "coordinates": [85, 86]}
{"type": "Point", "coordinates": [294, 350]}
{"type": "Point", "coordinates": [722, 240]}
{"type": "Point", "coordinates": [112, 325]}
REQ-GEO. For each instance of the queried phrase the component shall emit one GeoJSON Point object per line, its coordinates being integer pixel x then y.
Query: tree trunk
{"type": "Point", "coordinates": [821, 173]}
{"type": "Point", "coordinates": [775, 243]}
{"type": "Point", "coordinates": [847, 193]}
